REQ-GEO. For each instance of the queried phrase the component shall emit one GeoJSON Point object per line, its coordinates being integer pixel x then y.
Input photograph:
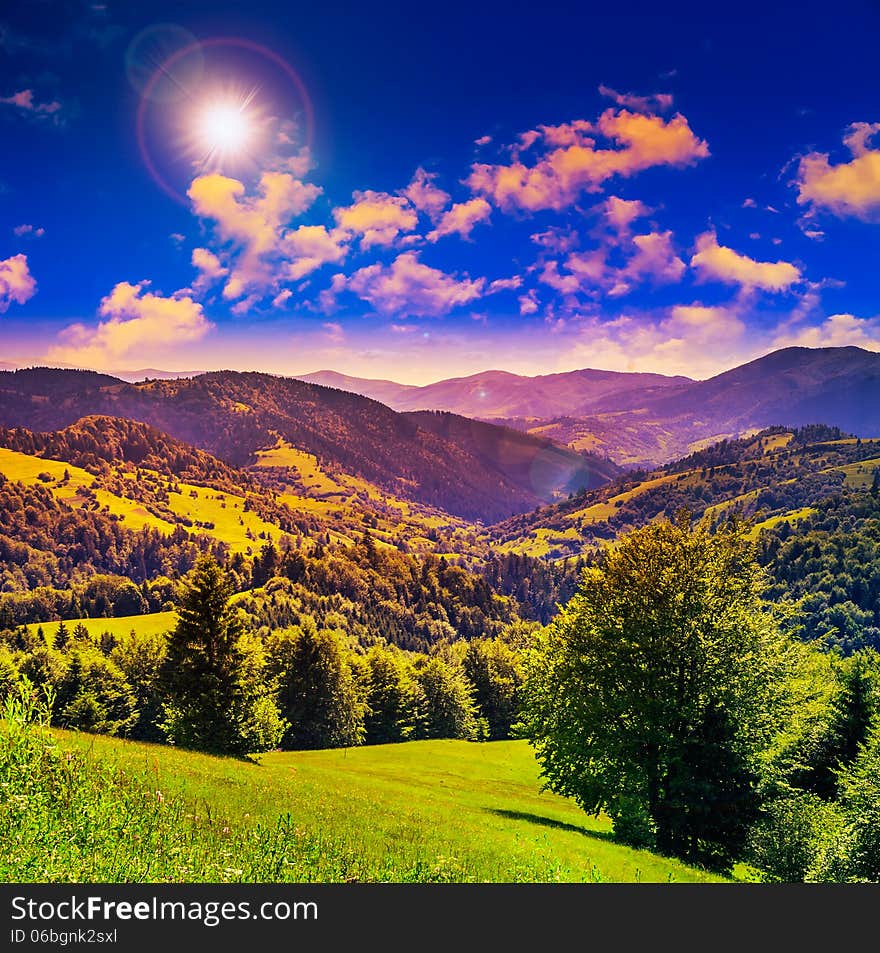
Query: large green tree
{"type": "Point", "coordinates": [395, 701]}
{"type": "Point", "coordinates": [215, 695]}
{"type": "Point", "coordinates": [657, 690]}
{"type": "Point", "coordinates": [449, 707]}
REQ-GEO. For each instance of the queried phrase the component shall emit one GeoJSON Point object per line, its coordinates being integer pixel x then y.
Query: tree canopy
{"type": "Point", "coordinates": [657, 690]}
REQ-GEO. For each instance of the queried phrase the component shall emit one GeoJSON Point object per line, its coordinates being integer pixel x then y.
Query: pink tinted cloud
{"type": "Point", "coordinates": [17, 284]}
{"type": "Point", "coordinates": [25, 100]}
{"type": "Point", "coordinates": [377, 217]}
{"type": "Point", "coordinates": [256, 226]}
{"type": "Point", "coordinates": [426, 196]}
{"type": "Point", "coordinates": [134, 319]}
{"type": "Point", "coordinates": [847, 189]}
{"type": "Point", "coordinates": [573, 163]}
{"type": "Point", "coordinates": [409, 286]}
{"type": "Point", "coordinates": [28, 231]}
{"type": "Point", "coordinates": [720, 263]}
{"type": "Point", "coordinates": [654, 102]}
{"type": "Point", "coordinates": [309, 247]}
{"type": "Point", "coordinates": [621, 213]}
{"type": "Point", "coordinates": [650, 257]}
{"type": "Point", "coordinates": [461, 219]}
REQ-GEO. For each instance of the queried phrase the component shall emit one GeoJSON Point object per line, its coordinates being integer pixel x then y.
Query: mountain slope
{"type": "Point", "coordinates": [794, 386]}
{"type": "Point", "coordinates": [234, 415]}
{"type": "Point", "coordinates": [546, 467]}
{"type": "Point", "coordinates": [397, 396]}
{"type": "Point", "coordinates": [96, 440]}
{"type": "Point", "coordinates": [775, 475]}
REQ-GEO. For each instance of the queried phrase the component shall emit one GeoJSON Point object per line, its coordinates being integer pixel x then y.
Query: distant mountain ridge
{"type": "Point", "coordinates": [636, 420]}
{"type": "Point", "coordinates": [501, 394]}
{"type": "Point", "coordinates": [144, 373]}
{"type": "Point", "coordinates": [648, 419]}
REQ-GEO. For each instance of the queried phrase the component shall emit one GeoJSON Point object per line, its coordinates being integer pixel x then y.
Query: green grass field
{"type": "Point", "coordinates": [449, 811]}
{"type": "Point", "coordinates": [149, 624]}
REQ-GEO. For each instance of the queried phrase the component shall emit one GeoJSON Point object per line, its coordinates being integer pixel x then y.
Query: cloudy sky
{"type": "Point", "coordinates": [416, 192]}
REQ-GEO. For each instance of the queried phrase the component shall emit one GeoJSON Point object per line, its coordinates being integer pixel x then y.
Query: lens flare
{"type": "Point", "coordinates": [224, 128]}
{"type": "Point", "coordinates": [212, 123]}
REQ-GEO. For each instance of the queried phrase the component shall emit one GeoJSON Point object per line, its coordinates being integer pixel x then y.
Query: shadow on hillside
{"type": "Point", "coordinates": [550, 822]}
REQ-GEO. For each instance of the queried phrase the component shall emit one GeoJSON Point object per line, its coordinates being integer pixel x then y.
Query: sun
{"type": "Point", "coordinates": [224, 128]}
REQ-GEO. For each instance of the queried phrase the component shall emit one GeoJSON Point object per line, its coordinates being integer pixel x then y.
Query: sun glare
{"type": "Point", "coordinates": [224, 129]}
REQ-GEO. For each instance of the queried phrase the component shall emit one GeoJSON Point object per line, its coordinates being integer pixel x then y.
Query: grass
{"type": "Point", "coordinates": [81, 808]}
{"type": "Point", "coordinates": [316, 481]}
{"type": "Point", "coordinates": [226, 511]}
{"type": "Point", "coordinates": [793, 516]}
{"type": "Point", "coordinates": [540, 542]}
{"type": "Point", "coordinates": [860, 474]}
{"type": "Point", "coordinates": [149, 624]}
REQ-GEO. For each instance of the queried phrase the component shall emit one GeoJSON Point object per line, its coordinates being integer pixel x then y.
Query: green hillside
{"type": "Point", "coordinates": [776, 475]}
{"type": "Point", "coordinates": [151, 623]}
{"type": "Point", "coordinates": [420, 811]}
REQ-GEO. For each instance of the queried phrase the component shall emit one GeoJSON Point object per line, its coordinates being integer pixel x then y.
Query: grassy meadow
{"type": "Point", "coordinates": [151, 623]}
{"type": "Point", "coordinates": [428, 811]}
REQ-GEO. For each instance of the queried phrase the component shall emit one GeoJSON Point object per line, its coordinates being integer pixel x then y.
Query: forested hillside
{"type": "Point", "coordinates": [235, 415]}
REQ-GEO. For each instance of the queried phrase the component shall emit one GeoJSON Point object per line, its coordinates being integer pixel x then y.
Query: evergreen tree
{"type": "Point", "coordinates": [316, 692]}
{"type": "Point", "coordinates": [854, 854]}
{"type": "Point", "coordinates": [62, 636]}
{"type": "Point", "coordinates": [450, 710]}
{"type": "Point", "coordinates": [215, 697]}
{"type": "Point", "coordinates": [395, 702]}
{"type": "Point", "coordinates": [93, 695]}
{"type": "Point", "coordinates": [853, 710]}
{"type": "Point", "coordinates": [494, 670]}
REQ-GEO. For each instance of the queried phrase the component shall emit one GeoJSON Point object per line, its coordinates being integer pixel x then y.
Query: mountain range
{"type": "Point", "coordinates": [649, 419]}
{"type": "Point", "coordinates": [571, 425]}
{"type": "Point", "coordinates": [106, 485]}
{"type": "Point", "coordinates": [500, 394]}
{"type": "Point", "coordinates": [474, 470]}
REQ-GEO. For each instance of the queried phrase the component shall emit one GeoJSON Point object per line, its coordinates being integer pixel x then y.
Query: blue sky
{"type": "Point", "coordinates": [415, 192]}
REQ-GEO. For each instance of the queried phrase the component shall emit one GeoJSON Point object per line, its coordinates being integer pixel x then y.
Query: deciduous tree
{"type": "Point", "coordinates": [658, 688]}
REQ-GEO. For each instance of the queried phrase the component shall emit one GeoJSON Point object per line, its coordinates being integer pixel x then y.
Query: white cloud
{"type": "Point", "coordinates": [838, 330]}
{"type": "Point", "coordinates": [17, 284]}
{"type": "Point", "coordinates": [411, 287]}
{"type": "Point", "coordinates": [135, 321]}
{"type": "Point", "coordinates": [717, 262]}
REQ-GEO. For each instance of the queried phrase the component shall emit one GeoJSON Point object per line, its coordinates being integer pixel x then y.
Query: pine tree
{"type": "Point", "coordinates": [316, 690]}
{"type": "Point", "coordinates": [212, 681]}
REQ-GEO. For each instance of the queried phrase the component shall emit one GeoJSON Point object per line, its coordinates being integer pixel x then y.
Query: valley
{"type": "Point", "coordinates": [416, 573]}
